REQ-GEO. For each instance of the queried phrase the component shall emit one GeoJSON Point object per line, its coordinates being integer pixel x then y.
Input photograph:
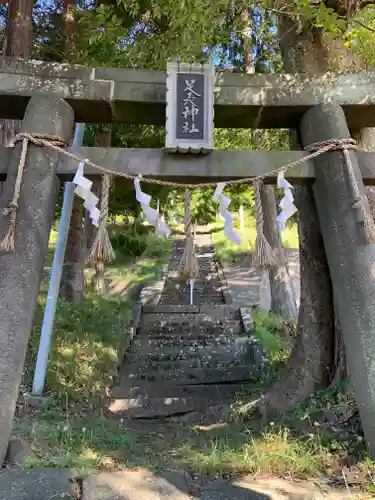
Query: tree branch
{"type": "Point", "coordinates": [355, 21]}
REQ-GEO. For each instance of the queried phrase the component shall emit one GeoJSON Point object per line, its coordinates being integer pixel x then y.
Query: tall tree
{"type": "Point", "coordinates": [72, 279]}
{"type": "Point", "coordinates": [17, 44]}
{"type": "Point", "coordinates": [308, 48]}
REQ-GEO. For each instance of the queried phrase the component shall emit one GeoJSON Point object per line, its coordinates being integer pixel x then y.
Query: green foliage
{"type": "Point", "coordinates": [268, 328]}
{"type": "Point", "coordinates": [86, 339]}
{"type": "Point", "coordinates": [129, 243]}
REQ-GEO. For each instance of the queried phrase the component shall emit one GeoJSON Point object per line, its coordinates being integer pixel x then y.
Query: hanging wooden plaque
{"type": "Point", "coordinates": [189, 112]}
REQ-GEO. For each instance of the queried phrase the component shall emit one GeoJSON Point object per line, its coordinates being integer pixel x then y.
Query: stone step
{"type": "Point", "coordinates": [191, 331]}
{"type": "Point", "coordinates": [182, 342]}
{"type": "Point", "coordinates": [174, 353]}
{"type": "Point", "coordinates": [215, 317]}
{"type": "Point", "coordinates": [187, 376]}
{"type": "Point", "coordinates": [158, 407]}
{"type": "Point", "coordinates": [183, 365]}
{"type": "Point", "coordinates": [221, 310]}
{"type": "Point", "coordinates": [186, 300]}
{"type": "Point", "coordinates": [151, 390]}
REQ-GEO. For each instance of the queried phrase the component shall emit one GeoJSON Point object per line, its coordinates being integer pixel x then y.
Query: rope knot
{"type": "Point", "coordinates": [359, 201]}
{"type": "Point", "coordinates": [40, 139]}
{"type": "Point", "coordinates": [331, 145]}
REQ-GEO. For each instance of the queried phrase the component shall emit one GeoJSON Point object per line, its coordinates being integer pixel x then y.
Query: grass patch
{"type": "Point", "coordinates": [75, 431]}
{"type": "Point", "coordinates": [226, 249]}
{"type": "Point", "coordinates": [268, 328]}
{"type": "Point", "coordinates": [87, 339]}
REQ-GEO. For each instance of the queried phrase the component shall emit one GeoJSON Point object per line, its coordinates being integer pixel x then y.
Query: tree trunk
{"type": "Point", "coordinates": [283, 300]}
{"type": "Point", "coordinates": [306, 50]}
{"type": "Point", "coordinates": [311, 361]}
{"type": "Point", "coordinates": [103, 139]}
{"type": "Point", "coordinates": [17, 44]}
{"type": "Point", "coordinates": [72, 279]}
{"type": "Point", "coordinates": [69, 29]}
{"type": "Point", "coordinates": [309, 366]}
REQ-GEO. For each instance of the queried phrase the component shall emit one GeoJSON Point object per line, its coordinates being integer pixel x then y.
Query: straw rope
{"type": "Point", "coordinates": [55, 143]}
{"type": "Point", "coordinates": [324, 147]}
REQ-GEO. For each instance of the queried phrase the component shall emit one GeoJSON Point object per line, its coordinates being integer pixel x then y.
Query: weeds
{"type": "Point", "coordinates": [87, 339]}
{"type": "Point", "coordinates": [226, 249]}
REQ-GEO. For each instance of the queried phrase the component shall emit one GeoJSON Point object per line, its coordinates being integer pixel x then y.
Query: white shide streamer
{"type": "Point", "coordinates": [287, 205]}
{"type": "Point", "coordinates": [224, 202]}
{"type": "Point", "coordinates": [152, 214]}
{"type": "Point", "coordinates": [83, 190]}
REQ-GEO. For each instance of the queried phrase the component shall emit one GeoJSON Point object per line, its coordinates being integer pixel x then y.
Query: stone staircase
{"type": "Point", "coordinates": [185, 358]}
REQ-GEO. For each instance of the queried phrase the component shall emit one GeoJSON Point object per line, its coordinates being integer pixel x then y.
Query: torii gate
{"type": "Point", "coordinates": [50, 97]}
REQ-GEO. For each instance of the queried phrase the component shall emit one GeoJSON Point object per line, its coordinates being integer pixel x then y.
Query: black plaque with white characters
{"type": "Point", "coordinates": [190, 106]}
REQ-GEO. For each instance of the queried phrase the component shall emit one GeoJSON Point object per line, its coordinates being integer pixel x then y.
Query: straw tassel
{"type": "Point", "coordinates": [360, 201]}
{"type": "Point", "coordinates": [7, 244]}
{"type": "Point", "coordinates": [263, 257]}
{"type": "Point", "coordinates": [189, 268]}
{"type": "Point", "coordinates": [101, 250]}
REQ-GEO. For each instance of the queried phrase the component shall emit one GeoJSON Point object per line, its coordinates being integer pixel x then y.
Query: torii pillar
{"type": "Point", "coordinates": [351, 259]}
{"type": "Point", "coordinates": [21, 270]}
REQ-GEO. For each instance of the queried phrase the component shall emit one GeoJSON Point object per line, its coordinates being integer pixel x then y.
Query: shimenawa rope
{"type": "Point", "coordinates": [54, 142]}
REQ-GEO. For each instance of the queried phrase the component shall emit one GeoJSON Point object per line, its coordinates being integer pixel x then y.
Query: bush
{"type": "Point", "coordinates": [129, 243]}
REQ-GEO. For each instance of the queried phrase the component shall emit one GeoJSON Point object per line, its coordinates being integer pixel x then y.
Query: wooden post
{"type": "Point", "coordinates": [350, 259]}
{"type": "Point", "coordinates": [283, 299]}
{"type": "Point", "coordinates": [20, 271]}
{"type": "Point", "coordinates": [241, 214]}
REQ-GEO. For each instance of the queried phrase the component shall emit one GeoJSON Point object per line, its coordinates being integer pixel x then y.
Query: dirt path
{"type": "Point", "coordinates": [248, 287]}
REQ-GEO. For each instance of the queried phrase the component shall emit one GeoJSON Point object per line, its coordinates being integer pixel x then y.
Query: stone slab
{"type": "Point", "coordinates": [193, 169]}
{"type": "Point", "coordinates": [139, 407]}
{"type": "Point", "coordinates": [36, 484]}
{"type": "Point", "coordinates": [48, 484]}
{"type": "Point", "coordinates": [139, 96]}
{"type": "Point", "coordinates": [209, 391]}
{"type": "Point", "coordinates": [136, 485]}
{"type": "Point", "coordinates": [271, 489]}
{"type": "Point", "coordinates": [199, 376]}
{"type": "Point", "coordinates": [213, 315]}
{"type": "Point", "coordinates": [18, 453]}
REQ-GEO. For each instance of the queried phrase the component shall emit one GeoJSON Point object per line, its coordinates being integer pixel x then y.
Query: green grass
{"type": "Point", "coordinates": [226, 249]}
{"type": "Point", "coordinates": [87, 338]}
{"type": "Point", "coordinates": [75, 430]}
{"type": "Point", "coordinates": [268, 330]}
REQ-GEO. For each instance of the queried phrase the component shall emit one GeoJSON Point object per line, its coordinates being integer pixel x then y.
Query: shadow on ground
{"type": "Point", "coordinates": [44, 484]}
